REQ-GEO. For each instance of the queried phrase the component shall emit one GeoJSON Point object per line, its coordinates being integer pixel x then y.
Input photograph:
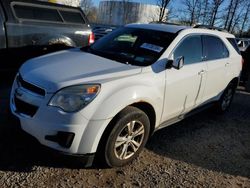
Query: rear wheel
{"type": "Point", "coordinates": [127, 138]}
{"type": "Point", "coordinates": [226, 98]}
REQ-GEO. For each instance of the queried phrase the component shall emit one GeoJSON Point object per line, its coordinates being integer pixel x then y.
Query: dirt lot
{"type": "Point", "coordinates": [206, 150]}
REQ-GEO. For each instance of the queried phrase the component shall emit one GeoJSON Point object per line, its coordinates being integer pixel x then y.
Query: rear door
{"type": "Point", "coordinates": [216, 57]}
{"type": "Point", "coordinates": [184, 87]}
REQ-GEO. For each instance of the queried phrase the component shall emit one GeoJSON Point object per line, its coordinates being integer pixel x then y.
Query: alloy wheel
{"type": "Point", "coordinates": [129, 140]}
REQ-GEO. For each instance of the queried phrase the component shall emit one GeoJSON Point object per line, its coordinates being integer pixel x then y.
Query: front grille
{"type": "Point", "coordinates": [25, 108]}
{"type": "Point", "coordinates": [30, 87]}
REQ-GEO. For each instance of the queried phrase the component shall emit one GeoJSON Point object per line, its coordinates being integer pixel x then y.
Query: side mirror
{"type": "Point", "coordinates": [178, 63]}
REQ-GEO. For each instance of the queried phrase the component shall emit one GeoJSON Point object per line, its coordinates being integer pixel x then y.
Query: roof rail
{"type": "Point", "coordinates": [168, 23]}
{"type": "Point", "coordinates": [210, 27]}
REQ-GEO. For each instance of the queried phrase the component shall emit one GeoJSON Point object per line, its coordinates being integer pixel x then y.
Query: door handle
{"type": "Point", "coordinates": [226, 64]}
{"type": "Point", "coordinates": [201, 72]}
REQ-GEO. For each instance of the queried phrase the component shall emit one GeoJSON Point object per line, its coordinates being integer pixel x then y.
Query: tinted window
{"type": "Point", "coordinates": [37, 13]}
{"type": "Point", "coordinates": [214, 48]}
{"type": "Point", "coordinates": [225, 51]}
{"type": "Point", "coordinates": [191, 49]}
{"type": "Point", "coordinates": [73, 17]}
{"type": "Point", "coordinates": [234, 44]}
{"type": "Point", "coordinates": [246, 43]}
{"type": "Point", "coordinates": [135, 46]}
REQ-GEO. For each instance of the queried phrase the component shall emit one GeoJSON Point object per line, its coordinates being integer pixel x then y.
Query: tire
{"type": "Point", "coordinates": [226, 98]}
{"type": "Point", "coordinates": [127, 137]}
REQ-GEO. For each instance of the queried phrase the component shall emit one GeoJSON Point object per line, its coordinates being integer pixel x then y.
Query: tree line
{"type": "Point", "coordinates": [231, 15]}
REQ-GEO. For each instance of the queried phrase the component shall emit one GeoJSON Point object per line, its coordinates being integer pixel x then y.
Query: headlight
{"type": "Point", "coordinates": [74, 98]}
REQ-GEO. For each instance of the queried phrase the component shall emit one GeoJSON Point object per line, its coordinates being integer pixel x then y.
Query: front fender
{"type": "Point", "coordinates": [110, 106]}
{"type": "Point", "coordinates": [113, 102]}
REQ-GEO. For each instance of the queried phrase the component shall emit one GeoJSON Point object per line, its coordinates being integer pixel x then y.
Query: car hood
{"type": "Point", "coordinates": [71, 67]}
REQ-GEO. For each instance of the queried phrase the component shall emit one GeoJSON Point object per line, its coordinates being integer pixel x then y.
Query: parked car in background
{"type": "Point", "coordinates": [105, 100]}
{"type": "Point", "coordinates": [31, 28]}
{"type": "Point", "coordinates": [244, 46]}
{"type": "Point", "coordinates": [245, 75]}
{"type": "Point", "coordinates": [100, 30]}
{"type": "Point", "coordinates": [243, 43]}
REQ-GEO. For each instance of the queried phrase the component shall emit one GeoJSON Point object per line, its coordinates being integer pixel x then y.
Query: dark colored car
{"type": "Point", "coordinates": [246, 68]}
{"type": "Point", "coordinates": [32, 28]}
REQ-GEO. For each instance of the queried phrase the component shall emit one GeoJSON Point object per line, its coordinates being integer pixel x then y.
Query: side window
{"type": "Point", "coordinates": [214, 48]}
{"type": "Point", "coordinates": [225, 51]}
{"type": "Point", "coordinates": [191, 49]}
{"type": "Point", "coordinates": [72, 17]}
{"type": "Point", "coordinates": [36, 13]}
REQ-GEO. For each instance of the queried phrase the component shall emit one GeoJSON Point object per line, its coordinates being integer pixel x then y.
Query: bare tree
{"type": "Point", "coordinates": [245, 18]}
{"type": "Point", "coordinates": [216, 5]}
{"type": "Point", "coordinates": [86, 6]}
{"type": "Point", "coordinates": [235, 7]}
{"type": "Point", "coordinates": [236, 22]}
{"type": "Point", "coordinates": [162, 9]}
{"type": "Point", "coordinates": [197, 13]}
{"type": "Point", "coordinates": [204, 10]}
{"type": "Point", "coordinates": [191, 10]}
{"type": "Point", "coordinates": [229, 10]}
{"type": "Point", "coordinates": [92, 15]}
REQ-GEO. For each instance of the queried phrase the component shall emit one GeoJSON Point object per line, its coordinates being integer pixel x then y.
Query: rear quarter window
{"type": "Point", "coordinates": [36, 13]}
{"type": "Point", "coordinates": [234, 44]}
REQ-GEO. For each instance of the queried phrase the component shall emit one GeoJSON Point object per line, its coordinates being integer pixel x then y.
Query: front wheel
{"type": "Point", "coordinates": [127, 138]}
{"type": "Point", "coordinates": [226, 98]}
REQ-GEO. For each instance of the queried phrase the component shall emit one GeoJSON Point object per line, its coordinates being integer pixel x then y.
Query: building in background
{"type": "Point", "coordinates": [120, 12]}
{"type": "Point", "coordinates": [115, 12]}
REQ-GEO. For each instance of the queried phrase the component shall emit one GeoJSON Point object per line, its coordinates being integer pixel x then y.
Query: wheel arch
{"type": "Point", "coordinates": [146, 107]}
{"type": "Point", "coordinates": [235, 82]}
{"type": "Point", "coordinates": [57, 40]}
{"type": "Point", "coordinates": [149, 110]}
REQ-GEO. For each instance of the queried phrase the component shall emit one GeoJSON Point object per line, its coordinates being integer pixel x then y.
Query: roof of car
{"type": "Point", "coordinates": [159, 27]}
{"type": "Point", "coordinates": [171, 28]}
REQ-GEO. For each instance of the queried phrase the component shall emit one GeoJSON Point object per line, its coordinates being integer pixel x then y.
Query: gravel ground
{"type": "Point", "coordinates": [206, 150]}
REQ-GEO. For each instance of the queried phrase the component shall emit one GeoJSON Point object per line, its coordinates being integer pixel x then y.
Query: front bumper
{"type": "Point", "coordinates": [70, 133]}
{"type": "Point", "coordinates": [85, 160]}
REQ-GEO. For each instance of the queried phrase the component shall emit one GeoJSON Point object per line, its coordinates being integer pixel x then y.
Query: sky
{"type": "Point", "coordinates": [176, 2]}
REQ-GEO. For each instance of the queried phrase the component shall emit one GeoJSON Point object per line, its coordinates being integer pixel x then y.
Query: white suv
{"type": "Point", "coordinates": [107, 99]}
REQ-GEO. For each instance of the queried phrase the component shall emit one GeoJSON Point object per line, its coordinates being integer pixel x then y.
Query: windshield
{"type": "Point", "coordinates": [141, 47]}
